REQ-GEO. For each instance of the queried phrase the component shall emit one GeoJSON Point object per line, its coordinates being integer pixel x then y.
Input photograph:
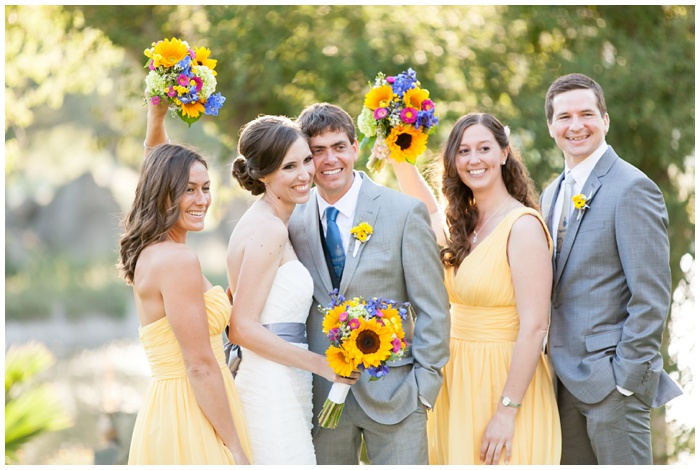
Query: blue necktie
{"type": "Point", "coordinates": [334, 242]}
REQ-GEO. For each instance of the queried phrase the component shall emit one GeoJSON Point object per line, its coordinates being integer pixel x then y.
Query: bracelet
{"type": "Point", "coordinates": [147, 147]}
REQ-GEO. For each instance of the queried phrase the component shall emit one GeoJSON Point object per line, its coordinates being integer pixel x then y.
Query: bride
{"type": "Point", "coordinates": [272, 295]}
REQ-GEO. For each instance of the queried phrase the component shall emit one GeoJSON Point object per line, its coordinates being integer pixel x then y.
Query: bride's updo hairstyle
{"type": "Point", "coordinates": [262, 145]}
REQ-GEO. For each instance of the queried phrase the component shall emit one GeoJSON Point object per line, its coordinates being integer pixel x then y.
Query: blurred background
{"type": "Point", "coordinates": [75, 123]}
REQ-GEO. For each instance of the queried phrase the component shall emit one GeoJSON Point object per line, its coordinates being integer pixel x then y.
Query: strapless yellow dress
{"type": "Point", "coordinates": [484, 328]}
{"type": "Point", "coordinates": [170, 426]}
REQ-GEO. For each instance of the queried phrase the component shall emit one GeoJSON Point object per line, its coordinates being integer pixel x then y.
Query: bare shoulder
{"type": "Point", "coordinates": [528, 229]}
{"type": "Point", "coordinates": [161, 259]}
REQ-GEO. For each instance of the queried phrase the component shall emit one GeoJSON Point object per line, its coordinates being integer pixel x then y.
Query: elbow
{"type": "Point", "coordinates": [201, 366]}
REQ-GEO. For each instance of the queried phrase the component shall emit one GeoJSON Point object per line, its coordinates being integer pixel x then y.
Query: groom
{"type": "Point", "coordinates": [612, 286]}
{"type": "Point", "coordinates": [400, 261]}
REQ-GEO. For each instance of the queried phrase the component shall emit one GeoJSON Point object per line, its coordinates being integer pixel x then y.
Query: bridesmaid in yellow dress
{"type": "Point", "coordinates": [497, 403]}
{"type": "Point", "coordinates": [191, 413]}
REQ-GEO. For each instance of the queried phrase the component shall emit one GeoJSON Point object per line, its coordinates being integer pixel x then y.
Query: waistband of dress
{"type": "Point", "coordinates": [289, 331]}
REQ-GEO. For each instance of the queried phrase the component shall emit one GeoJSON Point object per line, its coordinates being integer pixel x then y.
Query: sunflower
{"type": "Point", "coordinates": [414, 97]}
{"type": "Point", "coordinates": [340, 361]}
{"type": "Point", "coordinates": [370, 344]}
{"type": "Point", "coordinates": [406, 142]}
{"type": "Point", "coordinates": [379, 97]}
{"type": "Point", "coordinates": [201, 57]}
{"type": "Point", "coordinates": [391, 317]}
{"type": "Point", "coordinates": [167, 53]}
{"type": "Point", "coordinates": [332, 318]}
{"type": "Point", "coordinates": [193, 109]}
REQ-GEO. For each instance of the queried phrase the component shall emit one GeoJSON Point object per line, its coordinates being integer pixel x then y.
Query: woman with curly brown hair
{"type": "Point", "coordinates": [497, 404]}
{"type": "Point", "coordinates": [191, 413]}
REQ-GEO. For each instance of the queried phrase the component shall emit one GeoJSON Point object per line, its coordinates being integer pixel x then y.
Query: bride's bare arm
{"type": "Point", "coordinates": [182, 287]}
{"type": "Point", "coordinates": [412, 183]}
{"type": "Point", "coordinates": [263, 254]}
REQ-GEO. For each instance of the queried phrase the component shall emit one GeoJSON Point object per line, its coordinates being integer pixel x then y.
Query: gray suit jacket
{"type": "Point", "coordinates": [612, 287]}
{"type": "Point", "coordinates": [400, 262]}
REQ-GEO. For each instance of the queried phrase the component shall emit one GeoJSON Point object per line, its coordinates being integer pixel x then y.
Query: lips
{"type": "Point", "coordinates": [196, 213]}
{"type": "Point", "coordinates": [302, 187]}
{"type": "Point", "coordinates": [331, 172]}
{"type": "Point", "coordinates": [478, 172]}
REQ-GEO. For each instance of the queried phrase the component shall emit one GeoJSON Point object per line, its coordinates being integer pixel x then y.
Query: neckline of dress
{"type": "Point", "coordinates": [488, 237]}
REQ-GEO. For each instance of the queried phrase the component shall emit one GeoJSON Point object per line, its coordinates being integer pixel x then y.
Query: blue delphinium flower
{"type": "Point", "coordinates": [404, 81]}
{"type": "Point", "coordinates": [213, 104]}
{"type": "Point", "coordinates": [426, 119]}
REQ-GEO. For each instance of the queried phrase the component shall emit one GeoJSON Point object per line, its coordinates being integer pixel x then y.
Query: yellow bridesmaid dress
{"type": "Point", "coordinates": [484, 328]}
{"type": "Point", "coordinates": [170, 427]}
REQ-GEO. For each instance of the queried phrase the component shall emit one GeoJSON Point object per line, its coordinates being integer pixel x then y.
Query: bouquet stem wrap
{"type": "Point", "coordinates": [333, 407]}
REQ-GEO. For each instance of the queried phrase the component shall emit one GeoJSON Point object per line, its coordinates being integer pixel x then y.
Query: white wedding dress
{"type": "Point", "coordinates": [276, 398]}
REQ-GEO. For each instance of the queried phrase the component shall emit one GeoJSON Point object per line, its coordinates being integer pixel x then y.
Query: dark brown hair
{"type": "Point", "coordinates": [262, 146]}
{"type": "Point", "coordinates": [461, 212]}
{"type": "Point", "coordinates": [320, 118]}
{"type": "Point", "coordinates": [573, 81]}
{"type": "Point", "coordinates": [163, 181]}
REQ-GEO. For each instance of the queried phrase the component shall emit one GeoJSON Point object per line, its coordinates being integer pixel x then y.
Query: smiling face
{"type": "Point", "coordinates": [335, 157]}
{"type": "Point", "coordinates": [195, 201]}
{"type": "Point", "coordinates": [478, 158]}
{"type": "Point", "coordinates": [577, 125]}
{"type": "Point", "coordinates": [291, 182]}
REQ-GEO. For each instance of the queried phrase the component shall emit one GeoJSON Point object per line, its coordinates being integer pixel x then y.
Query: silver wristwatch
{"type": "Point", "coordinates": [505, 401]}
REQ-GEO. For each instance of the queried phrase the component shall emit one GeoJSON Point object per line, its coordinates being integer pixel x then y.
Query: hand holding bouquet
{"type": "Point", "coordinates": [364, 335]}
{"type": "Point", "coordinates": [184, 77]}
{"type": "Point", "coordinates": [396, 119]}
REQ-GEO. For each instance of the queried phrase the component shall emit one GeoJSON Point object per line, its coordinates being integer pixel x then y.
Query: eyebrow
{"type": "Point", "coordinates": [335, 144]}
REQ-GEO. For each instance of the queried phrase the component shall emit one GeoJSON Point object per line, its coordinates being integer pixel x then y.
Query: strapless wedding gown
{"type": "Point", "coordinates": [276, 398]}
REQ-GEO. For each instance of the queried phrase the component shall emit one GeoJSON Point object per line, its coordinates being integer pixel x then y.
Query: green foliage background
{"type": "Point", "coordinates": [74, 86]}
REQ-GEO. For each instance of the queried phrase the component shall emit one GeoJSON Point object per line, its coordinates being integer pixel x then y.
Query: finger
{"type": "Point", "coordinates": [508, 450]}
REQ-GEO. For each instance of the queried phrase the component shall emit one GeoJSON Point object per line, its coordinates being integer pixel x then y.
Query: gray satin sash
{"type": "Point", "coordinates": [290, 332]}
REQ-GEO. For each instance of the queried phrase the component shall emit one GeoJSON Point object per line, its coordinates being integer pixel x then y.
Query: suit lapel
{"type": "Point", "coordinates": [590, 188]}
{"type": "Point", "coordinates": [312, 234]}
{"type": "Point", "coordinates": [548, 200]}
{"type": "Point", "coordinates": [367, 210]}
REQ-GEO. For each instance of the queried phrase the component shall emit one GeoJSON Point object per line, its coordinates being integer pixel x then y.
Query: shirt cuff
{"type": "Point", "coordinates": [425, 402]}
{"type": "Point", "coordinates": [624, 391]}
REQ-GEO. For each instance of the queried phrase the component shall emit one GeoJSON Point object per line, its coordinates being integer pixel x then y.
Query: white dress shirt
{"type": "Point", "coordinates": [346, 206]}
{"type": "Point", "coordinates": [580, 172]}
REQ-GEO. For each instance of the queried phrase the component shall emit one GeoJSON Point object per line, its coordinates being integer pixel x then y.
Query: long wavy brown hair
{"type": "Point", "coordinates": [461, 212]}
{"type": "Point", "coordinates": [156, 208]}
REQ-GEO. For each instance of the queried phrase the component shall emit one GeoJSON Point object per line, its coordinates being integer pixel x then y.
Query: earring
{"type": "Point", "coordinates": [503, 163]}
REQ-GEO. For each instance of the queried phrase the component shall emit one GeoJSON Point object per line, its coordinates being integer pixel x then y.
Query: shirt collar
{"type": "Point", "coordinates": [346, 204]}
{"type": "Point", "coordinates": [582, 171]}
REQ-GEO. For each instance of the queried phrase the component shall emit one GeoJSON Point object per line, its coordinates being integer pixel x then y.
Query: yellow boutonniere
{"type": "Point", "coordinates": [581, 203]}
{"type": "Point", "coordinates": [362, 232]}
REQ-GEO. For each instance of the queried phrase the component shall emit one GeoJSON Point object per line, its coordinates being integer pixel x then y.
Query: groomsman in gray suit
{"type": "Point", "coordinates": [401, 262]}
{"type": "Point", "coordinates": [612, 285]}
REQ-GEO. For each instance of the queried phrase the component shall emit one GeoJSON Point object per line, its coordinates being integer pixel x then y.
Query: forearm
{"type": "Point", "coordinates": [256, 338]}
{"type": "Point", "coordinates": [526, 356]}
{"type": "Point", "coordinates": [208, 387]}
{"type": "Point", "coordinates": [412, 183]}
{"type": "Point", "coordinates": [156, 132]}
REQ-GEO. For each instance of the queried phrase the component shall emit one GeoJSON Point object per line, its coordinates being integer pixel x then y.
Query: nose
{"type": "Point", "coordinates": [576, 123]}
{"type": "Point", "coordinates": [203, 198]}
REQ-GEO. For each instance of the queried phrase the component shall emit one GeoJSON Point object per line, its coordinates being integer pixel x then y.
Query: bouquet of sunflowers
{"type": "Point", "coordinates": [397, 117]}
{"type": "Point", "coordinates": [364, 335]}
{"type": "Point", "coordinates": [184, 77]}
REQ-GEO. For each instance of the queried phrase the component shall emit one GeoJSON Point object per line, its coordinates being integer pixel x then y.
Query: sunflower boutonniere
{"type": "Point", "coordinates": [362, 233]}
{"type": "Point", "coordinates": [581, 203]}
